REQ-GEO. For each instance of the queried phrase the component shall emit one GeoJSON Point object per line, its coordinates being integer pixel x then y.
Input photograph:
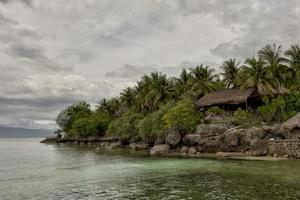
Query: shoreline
{"type": "Point", "coordinates": [97, 147]}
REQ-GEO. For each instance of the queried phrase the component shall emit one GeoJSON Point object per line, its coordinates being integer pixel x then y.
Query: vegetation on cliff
{"type": "Point", "coordinates": [158, 102]}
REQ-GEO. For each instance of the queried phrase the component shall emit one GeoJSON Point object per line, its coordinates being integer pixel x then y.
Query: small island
{"type": "Point", "coordinates": [249, 109]}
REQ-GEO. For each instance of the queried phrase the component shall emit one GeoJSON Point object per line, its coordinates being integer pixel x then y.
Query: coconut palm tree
{"type": "Point", "coordinates": [293, 57]}
{"type": "Point", "coordinates": [202, 80]}
{"type": "Point", "coordinates": [272, 55]}
{"type": "Point", "coordinates": [111, 106]}
{"type": "Point", "coordinates": [127, 97]}
{"type": "Point", "coordinates": [255, 73]}
{"type": "Point", "coordinates": [231, 73]}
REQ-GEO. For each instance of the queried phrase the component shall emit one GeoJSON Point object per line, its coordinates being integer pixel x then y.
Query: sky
{"type": "Point", "coordinates": [57, 52]}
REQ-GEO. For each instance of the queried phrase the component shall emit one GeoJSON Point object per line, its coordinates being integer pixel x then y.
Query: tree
{"type": "Point", "coordinates": [111, 107]}
{"type": "Point", "coordinates": [231, 73]}
{"type": "Point", "coordinates": [128, 96]}
{"type": "Point", "coordinates": [184, 116]}
{"type": "Point", "coordinates": [256, 74]}
{"type": "Point", "coordinates": [95, 125]}
{"type": "Point", "coordinates": [271, 54]}
{"type": "Point", "coordinates": [293, 55]}
{"type": "Point", "coordinates": [153, 91]}
{"type": "Point", "coordinates": [202, 80]}
{"type": "Point", "coordinates": [68, 116]}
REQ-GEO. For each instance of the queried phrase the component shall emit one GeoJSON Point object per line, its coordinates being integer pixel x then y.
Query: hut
{"type": "Point", "coordinates": [231, 99]}
{"type": "Point", "coordinates": [292, 125]}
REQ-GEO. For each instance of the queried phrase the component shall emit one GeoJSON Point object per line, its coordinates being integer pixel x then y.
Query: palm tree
{"type": "Point", "coordinates": [111, 106]}
{"type": "Point", "coordinates": [231, 73]}
{"type": "Point", "coordinates": [153, 90]}
{"type": "Point", "coordinates": [127, 97]}
{"type": "Point", "coordinates": [256, 74]}
{"type": "Point", "coordinates": [202, 80]}
{"type": "Point", "coordinates": [271, 54]}
{"type": "Point", "coordinates": [293, 55]}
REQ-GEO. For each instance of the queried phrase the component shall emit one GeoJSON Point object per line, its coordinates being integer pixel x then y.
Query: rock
{"type": "Point", "coordinates": [184, 149]}
{"type": "Point", "coordinates": [286, 156]}
{"type": "Point", "coordinates": [232, 136]}
{"type": "Point", "coordinates": [275, 155]}
{"type": "Point", "coordinates": [211, 129]}
{"type": "Point", "coordinates": [192, 150]}
{"type": "Point", "coordinates": [191, 139]}
{"type": "Point", "coordinates": [254, 133]}
{"type": "Point", "coordinates": [172, 137]}
{"type": "Point", "coordinates": [139, 146]}
{"type": "Point", "coordinates": [161, 149]}
{"type": "Point", "coordinates": [259, 147]}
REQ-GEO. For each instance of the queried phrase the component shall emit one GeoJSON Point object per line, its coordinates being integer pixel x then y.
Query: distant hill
{"type": "Point", "coordinates": [12, 132]}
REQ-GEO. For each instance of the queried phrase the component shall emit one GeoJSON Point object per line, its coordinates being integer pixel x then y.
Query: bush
{"type": "Point", "coordinates": [275, 110]}
{"type": "Point", "coordinates": [244, 118]}
{"type": "Point", "coordinates": [91, 126]}
{"type": "Point", "coordinates": [184, 116]}
{"type": "Point", "coordinates": [215, 110]}
{"type": "Point", "coordinates": [124, 127]}
{"type": "Point", "coordinates": [153, 126]}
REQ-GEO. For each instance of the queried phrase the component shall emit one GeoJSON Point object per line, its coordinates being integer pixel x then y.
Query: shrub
{"type": "Point", "coordinates": [153, 126]}
{"type": "Point", "coordinates": [215, 110]}
{"type": "Point", "coordinates": [184, 116]}
{"type": "Point", "coordinates": [275, 110]}
{"type": "Point", "coordinates": [124, 127]}
{"type": "Point", "coordinates": [243, 118]}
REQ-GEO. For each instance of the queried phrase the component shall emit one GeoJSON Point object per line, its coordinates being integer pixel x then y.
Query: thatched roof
{"type": "Point", "coordinates": [292, 123]}
{"type": "Point", "coordinates": [231, 96]}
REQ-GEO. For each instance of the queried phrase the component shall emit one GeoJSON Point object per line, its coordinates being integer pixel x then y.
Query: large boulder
{"type": "Point", "coordinates": [184, 149]}
{"type": "Point", "coordinates": [191, 139]}
{"type": "Point", "coordinates": [172, 137]}
{"type": "Point", "coordinates": [161, 149]}
{"type": "Point", "coordinates": [207, 130]}
{"type": "Point", "coordinates": [253, 133]}
{"type": "Point", "coordinates": [259, 147]}
{"type": "Point", "coordinates": [232, 136]}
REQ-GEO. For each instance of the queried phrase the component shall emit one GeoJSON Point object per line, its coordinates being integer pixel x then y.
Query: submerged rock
{"type": "Point", "coordinates": [161, 149]}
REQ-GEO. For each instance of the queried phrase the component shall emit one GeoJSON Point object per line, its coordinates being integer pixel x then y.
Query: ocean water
{"type": "Point", "coordinates": [30, 170]}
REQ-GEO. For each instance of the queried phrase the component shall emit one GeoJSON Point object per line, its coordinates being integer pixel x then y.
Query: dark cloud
{"type": "Point", "coordinates": [26, 2]}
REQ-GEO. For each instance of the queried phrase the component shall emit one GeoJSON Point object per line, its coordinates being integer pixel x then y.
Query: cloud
{"type": "Point", "coordinates": [25, 2]}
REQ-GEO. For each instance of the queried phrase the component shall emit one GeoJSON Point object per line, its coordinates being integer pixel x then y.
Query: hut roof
{"type": "Point", "coordinates": [292, 123]}
{"type": "Point", "coordinates": [231, 96]}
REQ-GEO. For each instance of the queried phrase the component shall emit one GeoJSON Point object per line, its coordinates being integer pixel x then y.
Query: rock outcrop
{"type": "Point", "coordinates": [172, 137]}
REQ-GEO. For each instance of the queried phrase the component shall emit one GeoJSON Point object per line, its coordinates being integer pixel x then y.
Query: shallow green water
{"type": "Point", "coordinates": [30, 170]}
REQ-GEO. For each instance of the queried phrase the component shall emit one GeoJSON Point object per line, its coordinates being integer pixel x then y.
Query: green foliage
{"type": "Point", "coordinates": [68, 116]}
{"type": "Point", "coordinates": [184, 116]}
{"type": "Point", "coordinates": [91, 126]}
{"type": "Point", "coordinates": [215, 110]}
{"type": "Point", "coordinates": [276, 110]}
{"type": "Point", "coordinates": [244, 118]}
{"type": "Point", "coordinates": [124, 127]}
{"type": "Point", "coordinates": [153, 125]}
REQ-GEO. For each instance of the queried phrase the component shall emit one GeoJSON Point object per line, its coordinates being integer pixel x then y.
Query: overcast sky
{"type": "Point", "coordinates": [58, 52]}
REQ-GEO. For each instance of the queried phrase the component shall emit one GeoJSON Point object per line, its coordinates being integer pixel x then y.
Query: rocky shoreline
{"type": "Point", "coordinates": [219, 140]}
